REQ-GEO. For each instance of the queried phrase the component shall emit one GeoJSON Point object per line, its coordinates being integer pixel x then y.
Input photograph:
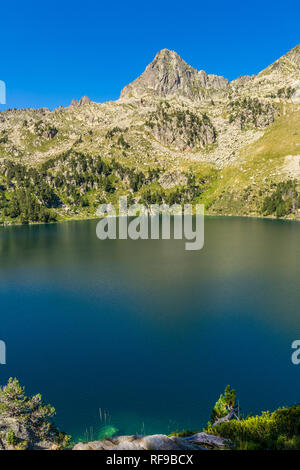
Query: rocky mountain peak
{"type": "Point", "coordinates": [167, 60]}
{"type": "Point", "coordinates": [169, 75]}
{"type": "Point", "coordinates": [167, 54]}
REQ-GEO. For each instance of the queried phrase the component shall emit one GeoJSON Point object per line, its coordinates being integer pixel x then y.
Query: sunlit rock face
{"type": "Point", "coordinates": [169, 75]}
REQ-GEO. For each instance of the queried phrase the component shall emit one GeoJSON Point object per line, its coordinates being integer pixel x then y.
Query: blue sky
{"type": "Point", "coordinates": [54, 51]}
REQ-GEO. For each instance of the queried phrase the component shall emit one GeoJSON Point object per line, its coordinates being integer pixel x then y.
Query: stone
{"type": "Point", "coordinates": [199, 441]}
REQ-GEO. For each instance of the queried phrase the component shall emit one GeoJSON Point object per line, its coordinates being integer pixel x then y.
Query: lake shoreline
{"type": "Point", "coordinates": [82, 219]}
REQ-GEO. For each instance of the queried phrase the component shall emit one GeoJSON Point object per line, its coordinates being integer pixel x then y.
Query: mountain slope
{"type": "Point", "coordinates": [175, 135]}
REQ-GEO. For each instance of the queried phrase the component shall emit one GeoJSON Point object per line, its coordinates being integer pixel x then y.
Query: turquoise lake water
{"type": "Point", "coordinates": [144, 334]}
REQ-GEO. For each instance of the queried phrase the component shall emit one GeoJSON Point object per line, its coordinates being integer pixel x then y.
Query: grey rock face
{"type": "Point", "coordinates": [169, 75]}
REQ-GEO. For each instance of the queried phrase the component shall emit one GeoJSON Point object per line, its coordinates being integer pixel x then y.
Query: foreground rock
{"type": "Point", "coordinates": [199, 441]}
{"type": "Point", "coordinates": [15, 435]}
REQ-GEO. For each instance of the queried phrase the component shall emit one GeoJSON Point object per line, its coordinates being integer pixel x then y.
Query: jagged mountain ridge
{"type": "Point", "coordinates": [168, 75]}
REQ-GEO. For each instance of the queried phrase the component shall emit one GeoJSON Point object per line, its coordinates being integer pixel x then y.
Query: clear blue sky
{"type": "Point", "coordinates": [54, 51]}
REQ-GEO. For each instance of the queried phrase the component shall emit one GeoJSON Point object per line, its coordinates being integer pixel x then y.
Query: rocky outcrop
{"type": "Point", "coordinates": [199, 441]}
{"type": "Point", "coordinates": [16, 435]}
{"type": "Point", "coordinates": [181, 128]}
{"type": "Point", "coordinates": [248, 112]}
{"type": "Point", "coordinates": [82, 101]}
{"type": "Point", "coordinates": [172, 178]}
{"type": "Point", "coordinates": [169, 75]}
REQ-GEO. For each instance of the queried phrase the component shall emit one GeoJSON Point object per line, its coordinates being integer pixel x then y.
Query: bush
{"type": "Point", "coordinates": [277, 431]}
{"type": "Point", "coordinates": [11, 438]}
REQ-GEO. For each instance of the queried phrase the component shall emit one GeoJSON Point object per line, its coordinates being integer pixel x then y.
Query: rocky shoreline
{"type": "Point", "coordinates": [26, 423]}
{"type": "Point", "coordinates": [198, 441]}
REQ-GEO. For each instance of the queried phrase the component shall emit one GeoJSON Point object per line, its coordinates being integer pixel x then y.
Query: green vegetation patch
{"type": "Point", "coordinates": [27, 417]}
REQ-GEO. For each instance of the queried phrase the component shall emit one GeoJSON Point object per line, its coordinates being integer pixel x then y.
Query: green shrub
{"type": "Point", "coordinates": [11, 438]}
{"type": "Point", "coordinates": [225, 404]}
{"type": "Point", "coordinates": [277, 430]}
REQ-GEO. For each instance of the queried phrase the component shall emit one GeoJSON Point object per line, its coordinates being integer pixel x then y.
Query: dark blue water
{"type": "Point", "coordinates": [147, 331]}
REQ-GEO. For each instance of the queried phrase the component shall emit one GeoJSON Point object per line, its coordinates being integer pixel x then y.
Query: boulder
{"type": "Point", "coordinates": [199, 441]}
